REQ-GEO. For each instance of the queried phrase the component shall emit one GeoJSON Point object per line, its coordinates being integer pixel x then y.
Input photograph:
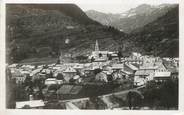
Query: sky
{"type": "Point", "coordinates": [117, 6]}
{"type": "Point", "coordinates": [106, 6]}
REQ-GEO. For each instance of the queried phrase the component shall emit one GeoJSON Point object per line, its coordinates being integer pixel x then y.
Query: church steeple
{"type": "Point", "coordinates": [96, 46]}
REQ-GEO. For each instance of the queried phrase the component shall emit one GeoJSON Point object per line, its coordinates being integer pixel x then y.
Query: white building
{"type": "Point", "coordinates": [140, 78]}
{"type": "Point", "coordinates": [30, 104]}
{"type": "Point", "coordinates": [51, 81]}
{"type": "Point", "coordinates": [162, 76]}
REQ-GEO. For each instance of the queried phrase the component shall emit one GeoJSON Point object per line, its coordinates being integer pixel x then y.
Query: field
{"type": "Point", "coordinates": [39, 61]}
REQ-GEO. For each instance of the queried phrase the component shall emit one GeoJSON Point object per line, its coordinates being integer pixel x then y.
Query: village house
{"type": "Point", "coordinates": [76, 79]}
{"type": "Point", "coordinates": [117, 67]}
{"type": "Point", "coordinates": [172, 67]}
{"type": "Point", "coordinates": [31, 104]}
{"type": "Point", "coordinates": [12, 65]}
{"type": "Point", "coordinates": [69, 73]}
{"type": "Point", "coordinates": [176, 61]}
{"type": "Point", "coordinates": [136, 54]}
{"type": "Point", "coordinates": [27, 67]}
{"type": "Point", "coordinates": [162, 76]}
{"type": "Point", "coordinates": [145, 73]}
{"type": "Point", "coordinates": [118, 75]}
{"type": "Point", "coordinates": [138, 62]}
{"type": "Point", "coordinates": [80, 69]}
{"type": "Point", "coordinates": [51, 81]}
{"type": "Point", "coordinates": [20, 79]}
{"type": "Point", "coordinates": [94, 65]}
{"type": "Point", "coordinates": [107, 69]}
{"type": "Point", "coordinates": [160, 67]}
{"type": "Point", "coordinates": [150, 70]}
{"type": "Point", "coordinates": [113, 54]}
{"type": "Point", "coordinates": [134, 58]}
{"type": "Point", "coordinates": [153, 68]}
{"type": "Point", "coordinates": [19, 75]}
{"type": "Point", "coordinates": [130, 68]}
{"type": "Point", "coordinates": [140, 77]}
{"type": "Point", "coordinates": [127, 74]}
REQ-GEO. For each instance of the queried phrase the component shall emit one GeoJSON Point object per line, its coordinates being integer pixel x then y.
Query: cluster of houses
{"type": "Point", "coordinates": [140, 69]}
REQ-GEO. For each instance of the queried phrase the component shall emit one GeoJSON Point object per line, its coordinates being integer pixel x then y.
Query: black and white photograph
{"type": "Point", "coordinates": [82, 56]}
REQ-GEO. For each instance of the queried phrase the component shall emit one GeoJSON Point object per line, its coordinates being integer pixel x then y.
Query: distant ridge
{"type": "Point", "coordinates": [133, 18]}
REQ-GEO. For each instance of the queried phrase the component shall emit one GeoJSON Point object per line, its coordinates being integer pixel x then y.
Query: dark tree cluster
{"type": "Point", "coordinates": [162, 95]}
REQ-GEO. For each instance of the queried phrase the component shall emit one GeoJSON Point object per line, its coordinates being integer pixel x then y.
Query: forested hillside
{"type": "Point", "coordinates": [160, 37]}
{"type": "Point", "coordinates": [41, 31]}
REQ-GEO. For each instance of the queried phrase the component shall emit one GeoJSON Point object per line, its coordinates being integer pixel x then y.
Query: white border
{"type": "Point", "coordinates": [4, 111]}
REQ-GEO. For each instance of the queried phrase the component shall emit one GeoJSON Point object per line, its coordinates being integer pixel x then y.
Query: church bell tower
{"type": "Point", "coordinates": [96, 46]}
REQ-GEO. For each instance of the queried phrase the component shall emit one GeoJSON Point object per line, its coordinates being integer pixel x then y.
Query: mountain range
{"type": "Point", "coordinates": [133, 18]}
{"type": "Point", "coordinates": [41, 30]}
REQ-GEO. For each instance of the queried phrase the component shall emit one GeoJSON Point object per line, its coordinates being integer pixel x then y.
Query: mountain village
{"type": "Point", "coordinates": [98, 83]}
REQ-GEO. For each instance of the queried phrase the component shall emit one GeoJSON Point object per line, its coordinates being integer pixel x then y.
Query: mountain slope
{"type": "Point", "coordinates": [133, 18]}
{"type": "Point", "coordinates": [41, 31]}
{"type": "Point", "coordinates": [160, 37]}
{"type": "Point", "coordinates": [70, 10]}
{"type": "Point", "coordinates": [103, 18]}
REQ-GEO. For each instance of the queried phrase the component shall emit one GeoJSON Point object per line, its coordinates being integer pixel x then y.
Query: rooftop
{"type": "Point", "coordinates": [32, 103]}
{"type": "Point", "coordinates": [141, 72]}
{"type": "Point", "coordinates": [69, 89]}
{"type": "Point", "coordinates": [132, 66]}
{"type": "Point", "coordinates": [70, 69]}
{"type": "Point", "coordinates": [162, 74]}
{"type": "Point", "coordinates": [117, 66]}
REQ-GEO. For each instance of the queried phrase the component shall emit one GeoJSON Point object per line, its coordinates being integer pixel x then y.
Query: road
{"type": "Point", "coordinates": [116, 93]}
{"type": "Point", "coordinates": [123, 92]}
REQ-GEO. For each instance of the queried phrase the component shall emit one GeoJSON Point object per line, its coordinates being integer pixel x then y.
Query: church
{"type": "Point", "coordinates": [99, 56]}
